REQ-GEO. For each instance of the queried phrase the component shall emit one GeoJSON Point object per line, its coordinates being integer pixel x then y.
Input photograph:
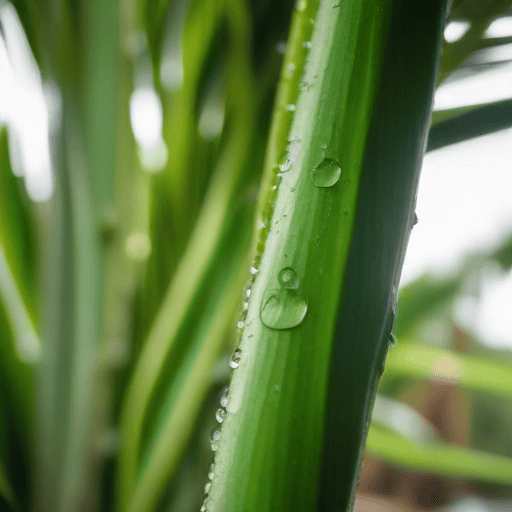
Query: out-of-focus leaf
{"type": "Point", "coordinates": [480, 16]}
{"type": "Point", "coordinates": [457, 125]}
{"type": "Point", "coordinates": [403, 419]}
{"type": "Point", "coordinates": [6, 492]}
{"type": "Point", "coordinates": [17, 408]}
{"type": "Point", "coordinates": [28, 345]}
{"type": "Point", "coordinates": [171, 376]}
{"type": "Point", "coordinates": [16, 235]}
{"type": "Point", "coordinates": [438, 458]}
{"type": "Point", "coordinates": [419, 299]}
{"type": "Point", "coordinates": [440, 365]}
{"type": "Point", "coordinates": [494, 42]}
{"type": "Point", "coordinates": [503, 254]}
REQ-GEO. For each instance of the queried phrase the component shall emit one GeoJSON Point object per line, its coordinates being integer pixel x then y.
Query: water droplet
{"type": "Point", "coordinates": [288, 278]}
{"type": "Point", "coordinates": [291, 67]}
{"type": "Point", "coordinates": [211, 473]}
{"type": "Point", "coordinates": [300, 5]}
{"type": "Point", "coordinates": [307, 44]}
{"type": "Point", "coordinates": [261, 224]}
{"type": "Point", "coordinates": [220, 414]}
{"type": "Point", "coordinates": [203, 508]}
{"type": "Point", "coordinates": [253, 271]}
{"type": "Point", "coordinates": [248, 292]}
{"type": "Point", "coordinates": [224, 397]}
{"type": "Point", "coordinates": [246, 306]}
{"type": "Point", "coordinates": [281, 47]}
{"type": "Point", "coordinates": [207, 487]}
{"type": "Point", "coordinates": [290, 107]}
{"type": "Point", "coordinates": [304, 86]}
{"type": "Point", "coordinates": [235, 359]}
{"type": "Point", "coordinates": [287, 306]}
{"type": "Point", "coordinates": [214, 438]}
{"type": "Point", "coordinates": [327, 173]}
{"type": "Point", "coordinates": [215, 434]}
{"type": "Point", "coordinates": [392, 340]}
{"type": "Point", "coordinates": [240, 324]}
{"type": "Point", "coordinates": [285, 166]}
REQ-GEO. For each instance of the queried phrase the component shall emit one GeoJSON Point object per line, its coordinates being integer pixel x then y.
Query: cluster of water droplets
{"type": "Point", "coordinates": [208, 485]}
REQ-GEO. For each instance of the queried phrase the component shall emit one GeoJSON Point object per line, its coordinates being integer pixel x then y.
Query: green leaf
{"type": "Point", "coordinates": [270, 450]}
{"type": "Point", "coordinates": [422, 298]}
{"type": "Point", "coordinates": [384, 218]}
{"type": "Point", "coordinates": [171, 376]}
{"type": "Point", "coordinates": [16, 234]}
{"type": "Point", "coordinates": [457, 125]}
{"type": "Point", "coordinates": [438, 458]}
{"type": "Point", "coordinates": [6, 494]}
{"type": "Point", "coordinates": [472, 372]}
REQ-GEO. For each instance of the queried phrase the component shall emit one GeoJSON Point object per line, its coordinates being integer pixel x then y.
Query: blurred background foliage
{"type": "Point", "coordinates": [132, 140]}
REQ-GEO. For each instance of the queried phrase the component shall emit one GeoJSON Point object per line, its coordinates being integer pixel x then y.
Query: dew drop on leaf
{"type": "Point", "coordinates": [285, 307]}
{"type": "Point", "coordinates": [224, 397]}
{"type": "Point", "coordinates": [220, 414]}
{"type": "Point", "coordinates": [235, 359]}
{"type": "Point", "coordinates": [327, 173]}
{"type": "Point", "coordinates": [288, 278]}
{"type": "Point", "coordinates": [214, 438]}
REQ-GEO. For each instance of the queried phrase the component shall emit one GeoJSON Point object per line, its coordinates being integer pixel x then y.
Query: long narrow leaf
{"type": "Point", "coordinates": [269, 451]}
{"type": "Point", "coordinates": [472, 372]}
{"type": "Point", "coordinates": [439, 458]}
{"type": "Point", "coordinates": [474, 121]}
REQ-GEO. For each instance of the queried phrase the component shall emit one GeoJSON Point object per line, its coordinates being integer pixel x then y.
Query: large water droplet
{"type": "Point", "coordinates": [327, 173]}
{"type": "Point", "coordinates": [288, 278]}
{"type": "Point", "coordinates": [235, 359]}
{"type": "Point", "coordinates": [283, 308]}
